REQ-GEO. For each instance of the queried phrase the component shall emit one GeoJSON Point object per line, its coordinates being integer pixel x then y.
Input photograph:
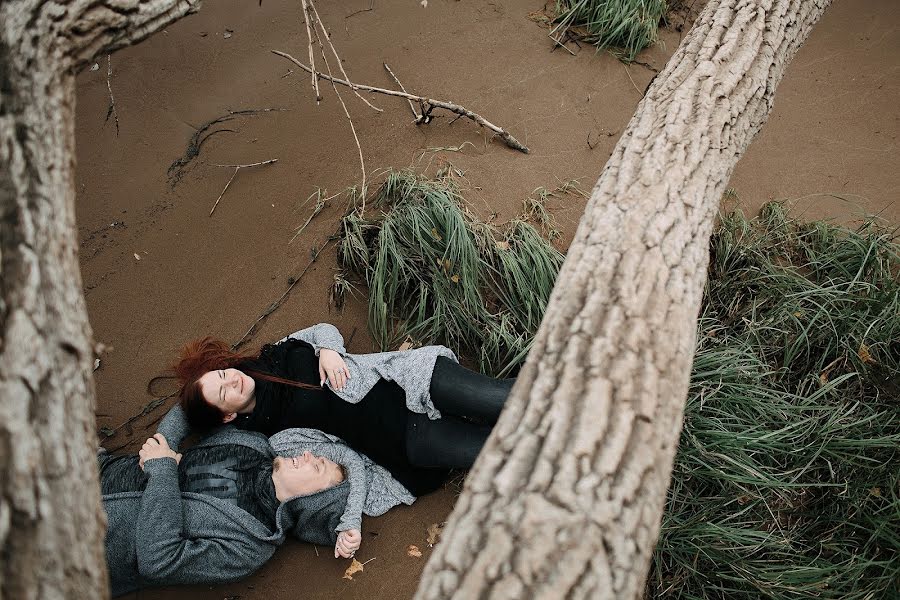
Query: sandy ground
{"type": "Point", "coordinates": [158, 270]}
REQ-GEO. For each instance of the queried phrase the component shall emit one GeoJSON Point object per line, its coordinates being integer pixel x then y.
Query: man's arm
{"type": "Point", "coordinates": [165, 555]}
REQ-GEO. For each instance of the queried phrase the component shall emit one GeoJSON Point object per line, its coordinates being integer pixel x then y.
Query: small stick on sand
{"type": "Point", "coordinates": [371, 7]}
{"type": "Point", "coordinates": [430, 103]}
{"type": "Point", "coordinates": [559, 43]}
{"type": "Point", "coordinates": [307, 15]}
{"type": "Point", "coordinates": [338, 58]}
{"type": "Point", "coordinates": [632, 81]}
{"type": "Point", "coordinates": [411, 106]}
{"type": "Point", "coordinates": [362, 163]}
{"type": "Point", "coordinates": [233, 175]}
{"type": "Point", "coordinates": [111, 110]}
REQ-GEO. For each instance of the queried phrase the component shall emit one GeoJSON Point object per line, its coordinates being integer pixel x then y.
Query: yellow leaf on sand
{"type": "Point", "coordinates": [434, 533]}
{"type": "Point", "coordinates": [864, 354]}
{"type": "Point", "coordinates": [414, 551]}
{"type": "Point", "coordinates": [355, 567]}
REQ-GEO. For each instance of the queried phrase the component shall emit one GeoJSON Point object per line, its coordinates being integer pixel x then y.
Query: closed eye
{"type": "Point", "coordinates": [222, 388]}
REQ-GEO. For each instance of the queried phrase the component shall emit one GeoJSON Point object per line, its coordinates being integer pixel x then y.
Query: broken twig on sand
{"type": "Point", "coordinates": [274, 306]}
{"type": "Point", "coordinates": [178, 167]}
{"type": "Point", "coordinates": [428, 103]}
{"type": "Point", "coordinates": [111, 110]}
{"type": "Point", "coordinates": [307, 18]}
{"type": "Point", "coordinates": [411, 105]}
{"type": "Point", "coordinates": [362, 162]}
{"type": "Point", "coordinates": [336, 57]}
{"type": "Point", "coordinates": [233, 175]}
{"type": "Point", "coordinates": [356, 12]}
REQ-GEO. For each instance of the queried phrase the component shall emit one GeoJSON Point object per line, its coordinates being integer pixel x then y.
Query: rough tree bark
{"type": "Point", "coordinates": [51, 522]}
{"type": "Point", "coordinates": [567, 497]}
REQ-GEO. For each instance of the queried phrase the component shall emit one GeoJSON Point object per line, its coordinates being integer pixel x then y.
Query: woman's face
{"type": "Point", "coordinates": [230, 390]}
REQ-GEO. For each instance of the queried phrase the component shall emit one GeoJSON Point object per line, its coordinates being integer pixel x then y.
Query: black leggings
{"type": "Point", "coordinates": [470, 404]}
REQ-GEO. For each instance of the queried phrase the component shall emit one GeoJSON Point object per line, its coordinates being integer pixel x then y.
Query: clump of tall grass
{"type": "Point", "coordinates": [787, 479]}
{"type": "Point", "coordinates": [624, 26]}
{"type": "Point", "coordinates": [786, 484]}
{"type": "Point", "coordinates": [437, 274]}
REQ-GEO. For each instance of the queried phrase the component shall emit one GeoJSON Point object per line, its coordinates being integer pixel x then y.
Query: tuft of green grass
{"type": "Point", "coordinates": [436, 274]}
{"type": "Point", "coordinates": [624, 26]}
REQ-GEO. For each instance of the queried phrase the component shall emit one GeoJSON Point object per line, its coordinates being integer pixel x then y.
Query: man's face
{"type": "Point", "coordinates": [303, 475]}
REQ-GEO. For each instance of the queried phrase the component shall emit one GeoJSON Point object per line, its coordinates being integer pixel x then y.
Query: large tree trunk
{"type": "Point", "coordinates": [51, 522]}
{"type": "Point", "coordinates": [567, 497]}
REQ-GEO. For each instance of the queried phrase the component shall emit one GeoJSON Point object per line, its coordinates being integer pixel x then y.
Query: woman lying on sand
{"type": "Point", "coordinates": [417, 413]}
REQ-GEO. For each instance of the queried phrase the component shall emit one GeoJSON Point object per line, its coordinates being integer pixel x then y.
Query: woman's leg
{"type": "Point", "coordinates": [458, 391]}
{"type": "Point", "coordinates": [447, 442]}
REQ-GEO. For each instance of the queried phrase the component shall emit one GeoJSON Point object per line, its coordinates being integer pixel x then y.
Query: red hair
{"type": "Point", "coordinates": [210, 354]}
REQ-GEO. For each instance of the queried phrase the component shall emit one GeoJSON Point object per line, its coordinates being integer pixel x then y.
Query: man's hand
{"type": "Point", "coordinates": [157, 447]}
{"type": "Point", "coordinates": [347, 543]}
{"type": "Point", "coordinates": [333, 368]}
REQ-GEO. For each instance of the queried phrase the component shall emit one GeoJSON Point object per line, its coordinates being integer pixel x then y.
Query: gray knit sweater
{"type": "Point", "coordinates": [410, 369]}
{"type": "Point", "coordinates": [372, 489]}
{"type": "Point", "coordinates": [165, 536]}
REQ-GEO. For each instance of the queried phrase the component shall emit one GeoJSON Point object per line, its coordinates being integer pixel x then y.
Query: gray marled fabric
{"type": "Point", "coordinates": [410, 369]}
{"type": "Point", "coordinates": [164, 536]}
{"type": "Point", "coordinates": [372, 489]}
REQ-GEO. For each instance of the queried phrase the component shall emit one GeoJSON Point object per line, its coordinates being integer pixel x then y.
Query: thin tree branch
{"type": "Point", "coordinates": [233, 175]}
{"type": "Point", "coordinates": [111, 110]}
{"type": "Point", "coordinates": [411, 106]}
{"type": "Point", "coordinates": [274, 306]}
{"type": "Point", "coordinates": [307, 15]}
{"type": "Point", "coordinates": [338, 58]}
{"type": "Point", "coordinates": [362, 162]}
{"type": "Point", "coordinates": [507, 138]}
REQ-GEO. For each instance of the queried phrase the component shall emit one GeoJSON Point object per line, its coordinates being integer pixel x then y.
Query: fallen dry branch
{"type": "Point", "coordinates": [429, 104]}
{"type": "Point", "coordinates": [274, 306]}
{"type": "Point", "coordinates": [178, 167]}
{"type": "Point", "coordinates": [233, 175]}
{"type": "Point", "coordinates": [362, 162]}
{"type": "Point", "coordinates": [307, 17]}
{"type": "Point", "coordinates": [412, 107]}
{"type": "Point", "coordinates": [111, 109]}
{"type": "Point", "coordinates": [337, 58]}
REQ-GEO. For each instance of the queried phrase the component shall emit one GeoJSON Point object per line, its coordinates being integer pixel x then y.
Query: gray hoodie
{"type": "Point", "coordinates": [164, 536]}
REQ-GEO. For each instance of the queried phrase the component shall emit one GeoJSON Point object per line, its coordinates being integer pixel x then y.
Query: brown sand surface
{"type": "Point", "coordinates": [831, 140]}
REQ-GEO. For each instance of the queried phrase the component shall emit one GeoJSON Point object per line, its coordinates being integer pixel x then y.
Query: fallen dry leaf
{"type": "Point", "coordinates": [864, 354]}
{"type": "Point", "coordinates": [414, 551]}
{"type": "Point", "coordinates": [355, 567]}
{"type": "Point", "coordinates": [434, 533]}
{"type": "Point", "coordinates": [455, 279]}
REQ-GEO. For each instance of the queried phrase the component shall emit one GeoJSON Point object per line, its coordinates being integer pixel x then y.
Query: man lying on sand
{"type": "Point", "coordinates": [217, 513]}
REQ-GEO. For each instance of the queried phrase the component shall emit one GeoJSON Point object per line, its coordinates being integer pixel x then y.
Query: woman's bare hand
{"type": "Point", "coordinates": [157, 447]}
{"type": "Point", "coordinates": [333, 368]}
{"type": "Point", "coordinates": [347, 543]}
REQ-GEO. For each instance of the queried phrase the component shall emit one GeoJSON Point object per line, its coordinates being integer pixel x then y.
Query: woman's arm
{"type": "Point", "coordinates": [174, 427]}
{"type": "Point", "coordinates": [323, 335]}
